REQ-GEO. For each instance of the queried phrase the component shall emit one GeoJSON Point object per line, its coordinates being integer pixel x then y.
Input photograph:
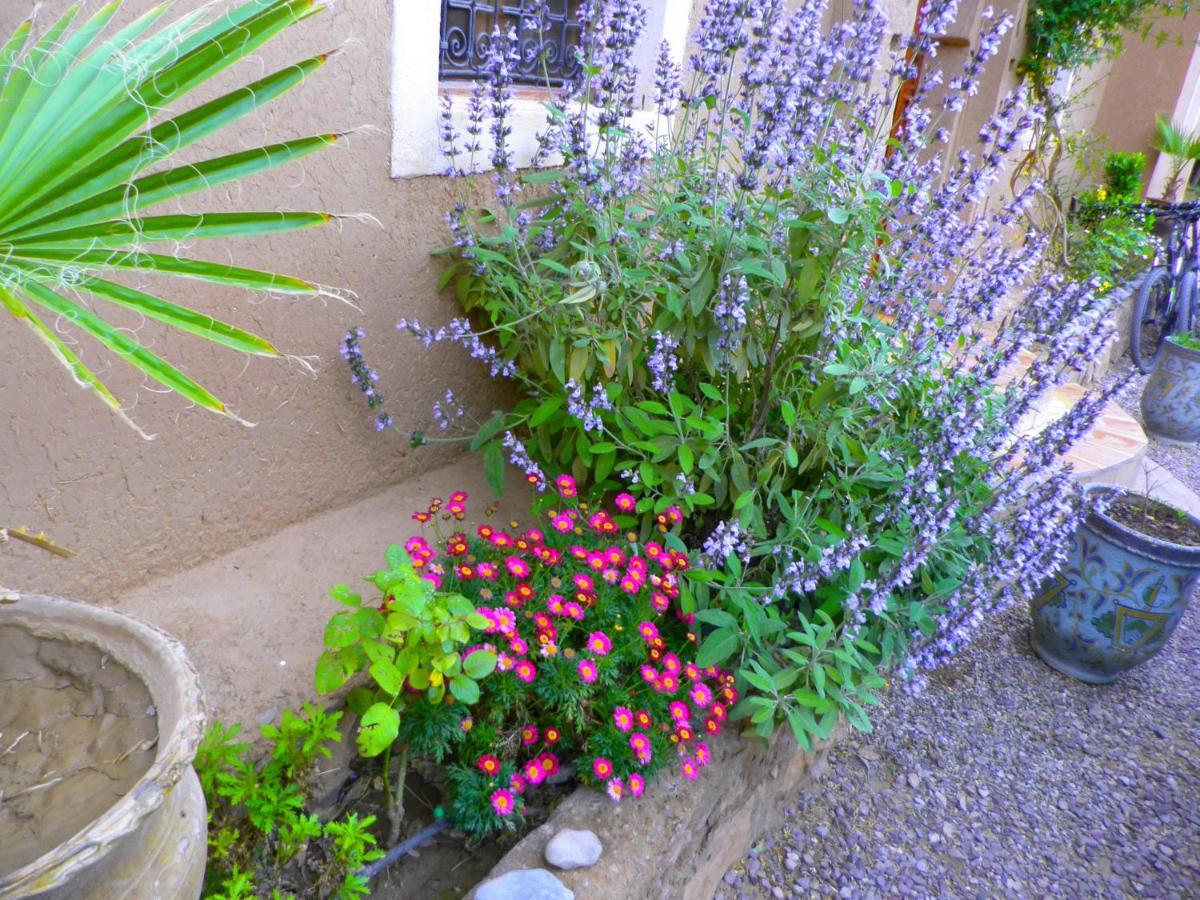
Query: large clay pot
{"type": "Point", "coordinates": [151, 843]}
{"type": "Point", "coordinates": [1171, 398]}
{"type": "Point", "coordinates": [1116, 600]}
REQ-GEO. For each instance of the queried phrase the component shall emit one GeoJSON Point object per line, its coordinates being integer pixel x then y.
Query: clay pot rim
{"type": "Point", "coordinates": [59, 618]}
{"type": "Point", "coordinates": [1134, 541]}
{"type": "Point", "coordinates": [1185, 353]}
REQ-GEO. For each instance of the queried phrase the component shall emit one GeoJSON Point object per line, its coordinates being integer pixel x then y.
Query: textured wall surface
{"type": "Point", "coordinates": [133, 509]}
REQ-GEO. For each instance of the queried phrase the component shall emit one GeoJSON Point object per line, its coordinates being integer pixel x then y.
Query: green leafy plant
{"type": "Point", "coordinates": [1181, 145]}
{"type": "Point", "coordinates": [411, 645]}
{"type": "Point", "coordinates": [1123, 175]}
{"type": "Point", "coordinates": [1108, 240]}
{"type": "Point", "coordinates": [1191, 341]}
{"type": "Point", "coordinates": [259, 830]}
{"type": "Point", "coordinates": [588, 652]}
{"type": "Point", "coordinates": [83, 148]}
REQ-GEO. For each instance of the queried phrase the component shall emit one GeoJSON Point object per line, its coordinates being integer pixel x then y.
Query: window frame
{"type": "Point", "coordinates": [416, 89]}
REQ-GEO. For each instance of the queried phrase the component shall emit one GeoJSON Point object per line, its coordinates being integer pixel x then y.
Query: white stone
{"type": "Point", "coordinates": [571, 849]}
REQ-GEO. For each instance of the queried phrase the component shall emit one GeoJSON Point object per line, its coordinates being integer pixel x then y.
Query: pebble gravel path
{"type": "Point", "coordinates": [1008, 779]}
{"type": "Point", "coordinates": [1182, 462]}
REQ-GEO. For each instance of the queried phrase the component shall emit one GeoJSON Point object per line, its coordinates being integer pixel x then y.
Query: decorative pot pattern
{"type": "Point", "coordinates": [1171, 398]}
{"type": "Point", "coordinates": [1115, 602]}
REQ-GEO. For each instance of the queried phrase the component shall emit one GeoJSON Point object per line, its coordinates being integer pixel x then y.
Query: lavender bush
{"type": "Point", "coordinates": [758, 301]}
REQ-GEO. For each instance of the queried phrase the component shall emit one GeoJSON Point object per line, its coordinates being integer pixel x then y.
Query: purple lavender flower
{"type": "Point", "coordinates": [587, 411]}
{"type": "Point", "coordinates": [662, 362]}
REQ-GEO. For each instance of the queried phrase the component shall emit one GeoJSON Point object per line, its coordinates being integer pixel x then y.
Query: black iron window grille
{"type": "Point", "coordinates": [547, 55]}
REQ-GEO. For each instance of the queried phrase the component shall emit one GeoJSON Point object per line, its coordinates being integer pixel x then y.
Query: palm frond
{"type": "Point", "coordinates": [82, 119]}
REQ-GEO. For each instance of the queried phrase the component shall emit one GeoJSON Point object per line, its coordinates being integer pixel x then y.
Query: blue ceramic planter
{"type": "Point", "coordinates": [1115, 602]}
{"type": "Point", "coordinates": [1171, 398]}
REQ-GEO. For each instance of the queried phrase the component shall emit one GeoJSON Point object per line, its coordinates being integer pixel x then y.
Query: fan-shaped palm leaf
{"type": "Point", "coordinates": [79, 130]}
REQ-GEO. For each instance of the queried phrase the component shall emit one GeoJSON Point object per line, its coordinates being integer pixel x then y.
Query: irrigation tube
{"type": "Point", "coordinates": [426, 834]}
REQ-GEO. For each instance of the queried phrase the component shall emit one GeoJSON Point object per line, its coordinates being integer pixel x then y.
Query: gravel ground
{"type": "Point", "coordinates": [1008, 779]}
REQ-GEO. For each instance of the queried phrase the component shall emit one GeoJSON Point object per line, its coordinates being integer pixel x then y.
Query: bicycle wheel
{"type": "Point", "coordinates": [1151, 313]}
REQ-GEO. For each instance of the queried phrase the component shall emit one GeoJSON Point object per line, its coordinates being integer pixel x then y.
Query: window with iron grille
{"type": "Point", "coordinates": [467, 31]}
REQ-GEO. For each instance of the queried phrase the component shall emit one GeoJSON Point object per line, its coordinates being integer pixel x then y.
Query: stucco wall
{"type": "Point", "coordinates": [132, 509]}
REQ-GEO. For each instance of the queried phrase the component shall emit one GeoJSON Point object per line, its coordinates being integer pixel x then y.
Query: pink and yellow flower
{"type": "Point", "coordinates": [562, 523]}
{"type": "Point", "coordinates": [525, 671]}
{"type": "Point", "coordinates": [649, 674]}
{"type": "Point", "coordinates": [533, 772]}
{"type": "Point", "coordinates": [602, 768]}
{"type": "Point", "coordinates": [599, 643]}
{"type": "Point", "coordinates": [517, 785]}
{"type": "Point", "coordinates": [640, 744]}
{"type": "Point", "coordinates": [637, 784]}
{"type": "Point", "coordinates": [566, 486]}
{"type": "Point", "coordinates": [648, 631]}
{"type": "Point", "coordinates": [588, 671]}
{"type": "Point", "coordinates": [517, 567]}
{"type": "Point", "coordinates": [623, 718]}
{"type": "Point", "coordinates": [548, 763]}
{"type": "Point", "coordinates": [552, 735]}
{"type": "Point", "coordinates": [668, 684]}
{"type": "Point", "coordinates": [643, 719]}
{"type": "Point", "coordinates": [689, 768]}
{"type": "Point", "coordinates": [502, 802]}
{"type": "Point", "coordinates": [701, 695]}
{"type": "Point", "coordinates": [584, 582]}
{"type": "Point", "coordinates": [574, 610]}
{"type": "Point", "coordinates": [624, 502]}
{"type": "Point", "coordinates": [529, 735]}
{"type": "Point", "coordinates": [672, 664]}
{"type": "Point", "coordinates": [680, 711]}
{"type": "Point", "coordinates": [703, 756]}
{"type": "Point", "coordinates": [616, 790]}
{"type": "Point", "coordinates": [488, 764]}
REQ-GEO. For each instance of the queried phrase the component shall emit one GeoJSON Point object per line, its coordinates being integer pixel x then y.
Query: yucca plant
{"type": "Point", "coordinates": [84, 119]}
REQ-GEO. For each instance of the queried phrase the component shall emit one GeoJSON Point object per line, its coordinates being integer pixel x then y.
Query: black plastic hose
{"type": "Point", "coordinates": [424, 836]}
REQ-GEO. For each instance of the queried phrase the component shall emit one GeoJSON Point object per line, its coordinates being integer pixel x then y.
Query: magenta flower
{"type": "Point", "coordinates": [649, 674]}
{"type": "Point", "coordinates": [525, 671]}
{"type": "Point", "coordinates": [623, 718]}
{"type": "Point", "coordinates": [598, 642]}
{"type": "Point", "coordinates": [616, 790]}
{"type": "Point", "coordinates": [603, 768]}
{"type": "Point", "coordinates": [689, 768]}
{"type": "Point", "coordinates": [502, 802]}
{"type": "Point", "coordinates": [588, 671]}
{"type": "Point", "coordinates": [680, 712]}
{"type": "Point", "coordinates": [648, 631]}
{"type": "Point", "coordinates": [624, 502]}
{"type": "Point", "coordinates": [574, 611]}
{"type": "Point", "coordinates": [534, 773]}
{"type": "Point", "coordinates": [640, 744]}
{"type": "Point", "coordinates": [566, 486]}
{"type": "Point", "coordinates": [637, 785]}
{"type": "Point", "coordinates": [517, 567]}
{"type": "Point", "coordinates": [703, 755]}
{"type": "Point", "coordinates": [701, 695]}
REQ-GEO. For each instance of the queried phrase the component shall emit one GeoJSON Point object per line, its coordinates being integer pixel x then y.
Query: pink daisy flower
{"type": "Point", "coordinates": [588, 671]}
{"type": "Point", "coordinates": [680, 711]}
{"type": "Point", "coordinates": [517, 567]}
{"type": "Point", "coordinates": [648, 631]}
{"type": "Point", "coordinates": [517, 785]}
{"type": "Point", "coordinates": [584, 582]}
{"type": "Point", "coordinates": [566, 486]}
{"type": "Point", "coordinates": [672, 664]}
{"type": "Point", "coordinates": [616, 790]}
{"type": "Point", "coordinates": [533, 772]}
{"type": "Point", "coordinates": [502, 802]}
{"type": "Point", "coordinates": [703, 756]}
{"type": "Point", "coordinates": [488, 764]}
{"type": "Point", "coordinates": [660, 602]}
{"type": "Point", "coordinates": [504, 662]}
{"type": "Point", "coordinates": [640, 744]}
{"type": "Point", "coordinates": [548, 763]}
{"type": "Point", "coordinates": [689, 768]}
{"type": "Point", "coordinates": [518, 646]}
{"type": "Point", "coordinates": [596, 561]}
{"type": "Point", "coordinates": [701, 695]}
{"type": "Point", "coordinates": [624, 502]}
{"type": "Point", "coordinates": [529, 735]}
{"type": "Point", "coordinates": [562, 523]}
{"type": "Point", "coordinates": [649, 674]}
{"type": "Point", "coordinates": [669, 684]}
{"type": "Point", "coordinates": [602, 768]}
{"type": "Point", "coordinates": [525, 671]}
{"type": "Point", "coordinates": [623, 718]}
{"type": "Point", "coordinates": [573, 610]}
{"type": "Point", "coordinates": [556, 605]}
{"type": "Point", "coordinates": [692, 671]}
{"type": "Point", "coordinates": [637, 785]}
{"type": "Point", "coordinates": [598, 642]}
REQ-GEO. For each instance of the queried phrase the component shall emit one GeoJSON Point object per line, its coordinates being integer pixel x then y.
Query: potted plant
{"type": "Point", "coordinates": [81, 165]}
{"type": "Point", "coordinates": [1171, 397]}
{"type": "Point", "coordinates": [1123, 588]}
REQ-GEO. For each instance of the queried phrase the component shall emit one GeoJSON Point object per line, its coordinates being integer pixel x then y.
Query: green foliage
{"type": "Point", "coordinates": [1065, 34]}
{"type": "Point", "coordinates": [1191, 341]}
{"type": "Point", "coordinates": [574, 618]}
{"type": "Point", "coordinates": [1123, 175]}
{"type": "Point", "coordinates": [258, 826]}
{"type": "Point", "coordinates": [1107, 240]}
{"type": "Point", "coordinates": [81, 167]}
{"type": "Point", "coordinates": [1181, 145]}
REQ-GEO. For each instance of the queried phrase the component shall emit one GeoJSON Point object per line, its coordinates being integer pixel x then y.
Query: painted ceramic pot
{"type": "Point", "coordinates": [1171, 398]}
{"type": "Point", "coordinates": [1116, 600]}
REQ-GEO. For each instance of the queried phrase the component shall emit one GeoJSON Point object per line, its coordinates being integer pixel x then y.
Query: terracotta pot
{"type": "Point", "coordinates": [1171, 398]}
{"type": "Point", "coordinates": [152, 842]}
{"type": "Point", "coordinates": [1115, 602]}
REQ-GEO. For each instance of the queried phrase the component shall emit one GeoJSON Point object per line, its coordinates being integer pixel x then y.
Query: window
{"type": "Point", "coordinates": [436, 49]}
{"type": "Point", "coordinates": [467, 29]}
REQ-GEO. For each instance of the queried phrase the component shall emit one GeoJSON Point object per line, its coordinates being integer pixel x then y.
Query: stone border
{"type": "Point", "coordinates": [1123, 310]}
{"type": "Point", "coordinates": [680, 839]}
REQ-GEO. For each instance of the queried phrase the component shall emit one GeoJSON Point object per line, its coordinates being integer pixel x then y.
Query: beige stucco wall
{"type": "Point", "coordinates": [1148, 78]}
{"type": "Point", "coordinates": [131, 509]}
